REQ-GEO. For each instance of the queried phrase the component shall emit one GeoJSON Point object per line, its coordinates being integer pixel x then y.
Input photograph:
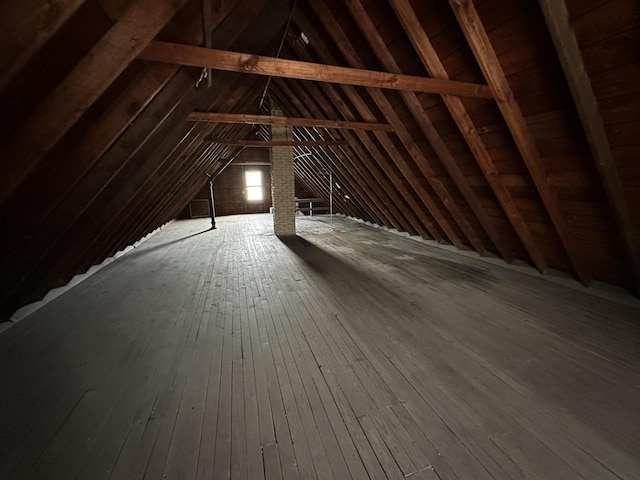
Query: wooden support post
{"type": "Point", "coordinates": [434, 66]}
{"type": "Point", "coordinates": [478, 39]}
{"type": "Point", "coordinates": [206, 33]}
{"type": "Point", "coordinates": [557, 19]}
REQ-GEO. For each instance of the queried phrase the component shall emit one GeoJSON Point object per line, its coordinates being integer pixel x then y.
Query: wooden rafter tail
{"type": "Point", "coordinates": [422, 118]}
{"type": "Point", "coordinates": [478, 40]}
{"type": "Point", "coordinates": [557, 18]}
{"type": "Point", "coordinates": [277, 143]}
{"type": "Point", "coordinates": [290, 121]}
{"type": "Point", "coordinates": [81, 88]}
{"type": "Point", "coordinates": [427, 54]}
{"type": "Point", "coordinates": [277, 67]}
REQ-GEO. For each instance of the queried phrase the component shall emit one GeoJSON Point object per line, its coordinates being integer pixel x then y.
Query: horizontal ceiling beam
{"type": "Point", "coordinates": [277, 143]}
{"type": "Point", "coordinates": [277, 67]}
{"type": "Point", "coordinates": [290, 121]}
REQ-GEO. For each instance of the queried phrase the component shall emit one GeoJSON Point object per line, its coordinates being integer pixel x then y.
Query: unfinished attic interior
{"type": "Point", "coordinates": [335, 239]}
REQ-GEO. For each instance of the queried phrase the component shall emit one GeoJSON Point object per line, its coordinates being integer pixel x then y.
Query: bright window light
{"type": "Point", "coordinates": [253, 185]}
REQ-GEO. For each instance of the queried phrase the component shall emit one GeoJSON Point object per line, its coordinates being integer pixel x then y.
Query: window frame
{"type": "Point", "coordinates": [253, 186]}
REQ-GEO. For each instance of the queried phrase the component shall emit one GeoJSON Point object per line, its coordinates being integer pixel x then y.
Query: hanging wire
{"type": "Point", "coordinates": [284, 36]}
{"type": "Point", "coordinates": [204, 74]}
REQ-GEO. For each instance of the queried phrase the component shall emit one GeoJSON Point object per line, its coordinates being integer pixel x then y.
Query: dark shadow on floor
{"type": "Point", "coordinates": [336, 271]}
{"type": "Point", "coordinates": [138, 252]}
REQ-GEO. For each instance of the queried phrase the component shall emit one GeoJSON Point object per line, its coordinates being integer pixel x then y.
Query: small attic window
{"type": "Point", "coordinates": [304, 38]}
{"type": "Point", "coordinates": [253, 185]}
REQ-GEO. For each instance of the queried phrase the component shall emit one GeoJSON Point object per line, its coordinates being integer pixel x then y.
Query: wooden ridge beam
{"type": "Point", "coordinates": [290, 121]}
{"type": "Point", "coordinates": [25, 26]}
{"type": "Point", "coordinates": [557, 19]}
{"type": "Point", "coordinates": [427, 53]}
{"type": "Point", "coordinates": [277, 143]}
{"type": "Point", "coordinates": [82, 87]}
{"type": "Point", "coordinates": [277, 67]}
{"type": "Point", "coordinates": [478, 40]}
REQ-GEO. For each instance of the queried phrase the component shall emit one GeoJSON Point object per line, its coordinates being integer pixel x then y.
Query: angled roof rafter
{"type": "Point", "coordinates": [421, 116]}
{"type": "Point", "coordinates": [393, 158]}
{"type": "Point", "coordinates": [311, 99]}
{"type": "Point", "coordinates": [478, 40]}
{"type": "Point", "coordinates": [82, 87]}
{"type": "Point", "coordinates": [434, 66]}
{"type": "Point", "coordinates": [19, 21]}
{"type": "Point", "coordinates": [319, 96]}
{"type": "Point", "coordinates": [360, 178]}
{"type": "Point", "coordinates": [343, 43]}
{"type": "Point", "coordinates": [557, 20]}
{"type": "Point", "coordinates": [355, 178]}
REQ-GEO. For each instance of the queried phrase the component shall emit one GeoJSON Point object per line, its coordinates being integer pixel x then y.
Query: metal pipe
{"type": "Point", "coordinates": [228, 163]}
{"type": "Point", "coordinates": [206, 30]}
{"type": "Point", "coordinates": [331, 198]}
{"type": "Point", "coordinates": [212, 205]}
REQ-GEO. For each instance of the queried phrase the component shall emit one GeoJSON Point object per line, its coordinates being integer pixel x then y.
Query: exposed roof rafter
{"type": "Point", "coordinates": [474, 31]}
{"type": "Point", "coordinates": [460, 115]}
{"type": "Point", "coordinates": [82, 87]}
{"type": "Point", "coordinates": [557, 19]}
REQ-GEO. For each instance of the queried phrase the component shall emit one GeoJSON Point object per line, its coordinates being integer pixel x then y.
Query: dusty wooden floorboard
{"type": "Point", "coordinates": [345, 352]}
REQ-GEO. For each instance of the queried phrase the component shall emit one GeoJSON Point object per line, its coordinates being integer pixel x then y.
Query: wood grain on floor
{"type": "Point", "coordinates": [344, 352]}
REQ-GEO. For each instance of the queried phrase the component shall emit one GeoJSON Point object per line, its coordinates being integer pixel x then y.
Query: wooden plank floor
{"type": "Point", "coordinates": [346, 352]}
